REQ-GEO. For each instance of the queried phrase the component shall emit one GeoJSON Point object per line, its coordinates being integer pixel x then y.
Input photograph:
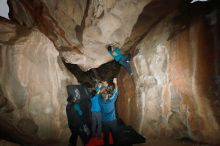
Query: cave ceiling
{"type": "Point", "coordinates": [81, 30]}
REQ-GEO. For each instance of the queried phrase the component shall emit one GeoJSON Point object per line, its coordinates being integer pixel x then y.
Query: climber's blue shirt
{"type": "Point", "coordinates": [116, 54]}
{"type": "Point", "coordinates": [108, 107]}
{"type": "Point", "coordinates": [95, 107]}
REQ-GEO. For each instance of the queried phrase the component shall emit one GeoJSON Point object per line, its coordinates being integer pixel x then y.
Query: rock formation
{"type": "Point", "coordinates": [177, 94]}
{"type": "Point", "coordinates": [33, 80]}
{"type": "Point", "coordinates": [80, 29]}
{"type": "Point", "coordinates": [6, 143]}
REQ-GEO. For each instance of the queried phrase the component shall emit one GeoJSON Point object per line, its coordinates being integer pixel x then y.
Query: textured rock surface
{"type": "Point", "coordinates": [80, 29]}
{"type": "Point", "coordinates": [175, 86]}
{"type": "Point", "coordinates": [32, 80]}
{"type": "Point", "coordinates": [6, 143]}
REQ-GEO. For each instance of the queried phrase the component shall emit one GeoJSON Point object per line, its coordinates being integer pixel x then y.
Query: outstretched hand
{"type": "Point", "coordinates": [115, 81]}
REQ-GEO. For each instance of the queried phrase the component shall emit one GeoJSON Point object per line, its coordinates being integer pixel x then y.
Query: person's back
{"type": "Point", "coordinates": [95, 107]}
{"type": "Point", "coordinates": [109, 120]}
{"type": "Point", "coordinates": [108, 107]}
{"type": "Point", "coordinates": [74, 115]}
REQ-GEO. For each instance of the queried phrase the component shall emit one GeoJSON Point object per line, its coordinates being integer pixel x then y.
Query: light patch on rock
{"type": "Point", "coordinates": [48, 110]}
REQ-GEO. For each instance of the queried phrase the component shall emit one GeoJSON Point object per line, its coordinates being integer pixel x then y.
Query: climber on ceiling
{"type": "Point", "coordinates": [120, 58]}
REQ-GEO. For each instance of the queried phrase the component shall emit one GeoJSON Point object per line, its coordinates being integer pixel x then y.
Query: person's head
{"type": "Point", "coordinates": [101, 87]}
{"type": "Point", "coordinates": [98, 87]}
{"type": "Point", "coordinates": [104, 83]}
{"type": "Point", "coordinates": [104, 86]}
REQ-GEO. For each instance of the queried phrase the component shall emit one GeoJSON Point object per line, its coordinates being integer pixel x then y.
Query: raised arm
{"type": "Point", "coordinates": [115, 92]}
{"type": "Point", "coordinates": [115, 82]}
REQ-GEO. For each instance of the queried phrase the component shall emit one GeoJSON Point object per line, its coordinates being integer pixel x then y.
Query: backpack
{"type": "Point", "coordinates": [79, 92]}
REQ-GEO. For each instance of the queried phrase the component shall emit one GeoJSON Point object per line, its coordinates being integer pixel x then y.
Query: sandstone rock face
{"type": "Point", "coordinates": [33, 81]}
{"type": "Point", "coordinates": [175, 89]}
{"type": "Point", "coordinates": [80, 29]}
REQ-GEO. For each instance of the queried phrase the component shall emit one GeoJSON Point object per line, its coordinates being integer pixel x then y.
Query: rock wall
{"type": "Point", "coordinates": [33, 94]}
{"type": "Point", "coordinates": [175, 91]}
{"type": "Point", "coordinates": [6, 143]}
{"type": "Point", "coordinates": [80, 29]}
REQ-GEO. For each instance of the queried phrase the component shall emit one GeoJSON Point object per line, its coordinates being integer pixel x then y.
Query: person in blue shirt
{"type": "Point", "coordinates": [120, 58]}
{"type": "Point", "coordinates": [74, 116]}
{"type": "Point", "coordinates": [96, 110]}
{"type": "Point", "coordinates": [96, 115]}
{"type": "Point", "coordinates": [109, 120]}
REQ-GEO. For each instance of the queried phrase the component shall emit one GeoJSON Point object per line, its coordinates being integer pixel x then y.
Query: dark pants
{"type": "Point", "coordinates": [96, 122]}
{"type": "Point", "coordinates": [74, 135]}
{"type": "Point", "coordinates": [113, 127]}
{"type": "Point", "coordinates": [125, 64]}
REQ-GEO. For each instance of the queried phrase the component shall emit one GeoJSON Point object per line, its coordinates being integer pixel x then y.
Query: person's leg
{"type": "Point", "coordinates": [99, 124]}
{"type": "Point", "coordinates": [126, 66]}
{"type": "Point", "coordinates": [73, 137]}
{"type": "Point", "coordinates": [114, 129]}
{"type": "Point", "coordinates": [106, 131]}
{"type": "Point", "coordinates": [93, 124]}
